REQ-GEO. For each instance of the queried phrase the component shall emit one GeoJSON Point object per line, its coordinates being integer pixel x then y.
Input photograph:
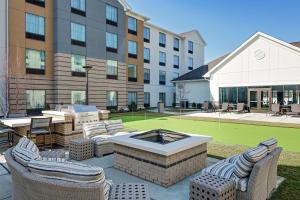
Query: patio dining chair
{"type": "Point", "coordinates": [9, 133]}
{"type": "Point", "coordinates": [205, 106]}
{"type": "Point", "coordinates": [225, 108]}
{"type": "Point", "coordinates": [295, 110]}
{"type": "Point", "coordinates": [239, 108]}
{"type": "Point", "coordinates": [275, 109]}
{"type": "Point", "coordinates": [40, 127]}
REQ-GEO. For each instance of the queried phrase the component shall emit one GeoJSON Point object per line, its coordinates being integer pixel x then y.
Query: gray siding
{"type": "Point", "coordinates": [96, 28]}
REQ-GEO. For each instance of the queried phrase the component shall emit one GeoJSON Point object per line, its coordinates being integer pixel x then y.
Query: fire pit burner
{"type": "Point", "coordinates": [160, 136]}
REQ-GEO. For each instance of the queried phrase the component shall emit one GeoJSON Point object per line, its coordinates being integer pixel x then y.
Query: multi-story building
{"type": "Point", "coordinates": [45, 45]}
{"type": "Point", "coordinates": [168, 55]}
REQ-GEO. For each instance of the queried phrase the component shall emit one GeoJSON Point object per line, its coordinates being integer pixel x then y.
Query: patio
{"type": "Point", "coordinates": [179, 191]}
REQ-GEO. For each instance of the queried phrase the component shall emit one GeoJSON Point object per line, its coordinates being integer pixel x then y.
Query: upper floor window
{"type": "Point", "coordinates": [35, 61]}
{"type": "Point", "coordinates": [176, 44]}
{"type": "Point", "coordinates": [77, 64]}
{"type": "Point", "coordinates": [176, 61]}
{"type": "Point", "coordinates": [162, 78]}
{"type": "Point", "coordinates": [111, 15]}
{"type": "Point", "coordinates": [112, 69]}
{"type": "Point", "coordinates": [35, 27]}
{"type": "Point", "coordinates": [132, 73]}
{"type": "Point", "coordinates": [162, 40]}
{"type": "Point", "coordinates": [112, 42]}
{"type": "Point", "coordinates": [37, 2]}
{"type": "Point", "coordinates": [190, 47]}
{"type": "Point", "coordinates": [78, 7]}
{"type": "Point", "coordinates": [146, 55]}
{"type": "Point", "coordinates": [146, 34]}
{"type": "Point", "coordinates": [162, 58]}
{"type": "Point", "coordinates": [191, 64]}
{"type": "Point", "coordinates": [78, 97]}
{"type": "Point", "coordinates": [132, 49]}
{"type": "Point", "coordinates": [132, 25]}
{"type": "Point", "coordinates": [146, 75]}
{"type": "Point", "coordinates": [78, 34]}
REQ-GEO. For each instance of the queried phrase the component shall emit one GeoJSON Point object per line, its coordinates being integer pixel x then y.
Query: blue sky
{"type": "Point", "coordinates": [225, 24]}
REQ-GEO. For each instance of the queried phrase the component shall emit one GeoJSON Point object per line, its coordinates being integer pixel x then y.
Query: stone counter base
{"type": "Point", "coordinates": [162, 170]}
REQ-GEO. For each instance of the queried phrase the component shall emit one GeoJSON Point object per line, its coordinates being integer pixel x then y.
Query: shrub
{"type": "Point", "coordinates": [194, 105]}
{"type": "Point", "coordinates": [132, 107]}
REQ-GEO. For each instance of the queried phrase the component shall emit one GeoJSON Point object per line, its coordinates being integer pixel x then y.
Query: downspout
{"type": "Point", "coordinates": [7, 57]}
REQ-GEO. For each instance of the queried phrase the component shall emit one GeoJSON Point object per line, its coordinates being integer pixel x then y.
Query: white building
{"type": "Point", "coordinates": [262, 71]}
{"type": "Point", "coordinates": [168, 55]}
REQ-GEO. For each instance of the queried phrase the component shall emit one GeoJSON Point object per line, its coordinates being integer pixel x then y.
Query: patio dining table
{"type": "Point", "coordinates": [25, 121]}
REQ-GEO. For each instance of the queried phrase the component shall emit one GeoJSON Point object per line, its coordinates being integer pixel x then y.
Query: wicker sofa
{"type": "Point", "coordinates": [262, 178]}
{"type": "Point", "coordinates": [29, 186]}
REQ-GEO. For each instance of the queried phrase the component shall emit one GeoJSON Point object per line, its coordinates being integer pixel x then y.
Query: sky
{"type": "Point", "coordinates": [224, 24]}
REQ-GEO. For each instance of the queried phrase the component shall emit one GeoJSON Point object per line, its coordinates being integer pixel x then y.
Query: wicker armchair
{"type": "Point", "coordinates": [27, 186]}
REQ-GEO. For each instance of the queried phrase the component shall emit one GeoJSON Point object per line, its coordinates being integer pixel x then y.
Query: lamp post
{"type": "Point", "coordinates": [87, 69]}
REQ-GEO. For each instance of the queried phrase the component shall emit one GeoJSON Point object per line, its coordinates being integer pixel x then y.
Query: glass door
{"type": "Point", "coordinates": [264, 100]}
{"type": "Point", "coordinates": [259, 99]}
{"type": "Point", "coordinates": [253, 99]}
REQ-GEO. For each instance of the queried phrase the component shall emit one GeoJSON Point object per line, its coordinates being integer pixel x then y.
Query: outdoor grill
{"type": "Point", "coordinates": [81, 114]}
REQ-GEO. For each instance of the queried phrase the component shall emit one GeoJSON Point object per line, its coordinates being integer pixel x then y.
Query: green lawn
{"type": "Point", "coordinates": [231, 138]}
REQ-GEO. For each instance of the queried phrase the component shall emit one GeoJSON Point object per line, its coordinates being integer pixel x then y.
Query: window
{"type": "Point", "coordinates": [146, 34]}
{"type": "Point", "coordinates": [78, 7]}
{"type": "Point", "coordinates": [162, 40]}
{"type": "Point", "coordinates": [77, 64]}
{"type": "Point", "coordinates": [176, 61]}
{"type": "Point", "coordinates": [162, 58]}
{"type": "Point", "coordinates": [191, 64]}
{"type": "Point", "coordinates": [35, 61]}
{"type": "Point", "coordinates": [132, 73]}
{"type": "Point", "coordinates": [132, 49]}
{"type": "Point", "coordinates": [191, 47]}
{"type": "Point", "coordinates": [132, 25]}
{"type": "Point", "coordinates": [111, 100]}
{"type": "Point", "coordinates": [111, 15]}
{"type": "Point", "coordinates": [147, 99]}
{"type": "Point", "coordinates": [37, 2]}
{"type": "Point", "coordinates": [176, 44]}
{"type": "Point", "coordinates": [35, 27]}
{"type": "Point", "coordinates": [162, 78]}
{"type": "Point", "coordinates": [35, 101]}
{"type": "Point", "coordinates": [111, 42]}
{"type": "Point", "coordinates": [146, 55]}
{"type": "Point", "coordinates": [111, 69]}
{"type": "Point", "coordinates": [78, 97]}
{"type": "Point", "coordinates": [132, 98]}
{"type": "Point", "coordinates": [162, 97]}
{"type": "Point", "coordinates": [147, 76]}
{"type": "Point", "coordinates": [78, 34]}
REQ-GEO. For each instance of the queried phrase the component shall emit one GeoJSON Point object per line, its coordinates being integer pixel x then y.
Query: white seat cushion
{"type": "Point", "coordinates": [240, 183]}
{"type": "Point", "coordinates": [25, 151]}
{"type": "Point", "coordinates": [67, 171]}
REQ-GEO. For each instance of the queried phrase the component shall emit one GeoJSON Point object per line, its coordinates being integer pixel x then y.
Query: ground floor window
{"type": "Point", "coordinates": [132, 98]}
{"type": "Point", "coordinates": [112, 100]}
{"type": "Point", "coordinates": [147, 99]}
{"type": "Point", "coordinates": [234, 95]}
{"type": "Point", "coordinates": [78, 97]}
{"type": "Point", "coordinates": [35, 101]}
{"type": "Point", "coordinates": [162, 97]}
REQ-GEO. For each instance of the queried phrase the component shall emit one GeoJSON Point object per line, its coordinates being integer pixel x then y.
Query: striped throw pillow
{"type": "Point", "coordinates": [113, 126]}
{"type": "Point", "coordinates": [271, 144]}
{"type": "Point", "coordinates": [94, 129]}
{"type": "Point", "coordinates": [67, 171]}
{"type": "Point", "coordinates": [25, 151]}
{"type": "Point", "coordinates": [240, 183]}
{"type": "Point", "coordinates": [220, 169]}
{"type": "Point", "coordinates": [246, 161]}
{"type": "Point", "coordinates": [232, 159]}
{"type": "Point", "coordinates": [107, 188]}
{"type": "Point", "coordinates": [100, 139]}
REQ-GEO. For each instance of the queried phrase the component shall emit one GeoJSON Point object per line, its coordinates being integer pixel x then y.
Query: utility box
{"type": "Point", "coordinates": [161, 107]}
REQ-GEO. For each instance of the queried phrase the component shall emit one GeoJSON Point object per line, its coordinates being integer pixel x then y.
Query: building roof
{"type": "Point", "coordinates": [294, 46]}
{"type": "Point", "coordinates": [196, 74]}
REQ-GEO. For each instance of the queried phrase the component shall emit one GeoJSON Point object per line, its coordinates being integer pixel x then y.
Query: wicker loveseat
{"type": "Point", "coordinates": [29, 186]}
{"type": "Point", "coordinates": [262, 178]}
